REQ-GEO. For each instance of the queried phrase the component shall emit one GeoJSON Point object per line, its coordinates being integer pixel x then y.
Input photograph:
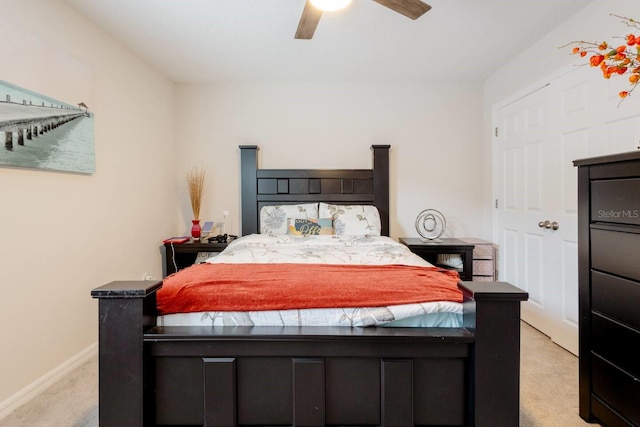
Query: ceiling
{"type": "Point", "coordinates": [198, 41]}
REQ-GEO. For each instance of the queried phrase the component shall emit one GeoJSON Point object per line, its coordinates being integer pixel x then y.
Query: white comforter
{"type": "Point", "coordinates": [371, 250]}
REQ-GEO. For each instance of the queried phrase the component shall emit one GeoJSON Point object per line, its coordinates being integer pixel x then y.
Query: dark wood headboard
{"type": "Point", "coordinates": [262, 187]}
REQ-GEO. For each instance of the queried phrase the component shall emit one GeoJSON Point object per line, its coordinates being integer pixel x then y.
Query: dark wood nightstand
{"type": "Point", "coordinates": [429, 251]}
{"type": "Point", "coordinates": [181, 255]}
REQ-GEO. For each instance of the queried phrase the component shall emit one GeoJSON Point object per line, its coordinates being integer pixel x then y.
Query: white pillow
{"type": "Point", "coordinates": [273, 219]}
{"type": "Point", "coordinates": [352, 220]}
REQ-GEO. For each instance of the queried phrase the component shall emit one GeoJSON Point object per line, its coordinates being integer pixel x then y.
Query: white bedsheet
{"type": "Point", "coordinates": [369, 250]}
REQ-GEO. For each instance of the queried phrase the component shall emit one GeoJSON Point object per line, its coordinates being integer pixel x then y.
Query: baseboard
{"type": "Point", "coordinates": [46, 381]}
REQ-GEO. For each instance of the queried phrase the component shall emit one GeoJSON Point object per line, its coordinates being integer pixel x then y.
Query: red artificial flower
{"type": "Point", "coordinates": [621, 60]}
{"type": "Point", "coordinates": [596, 60]}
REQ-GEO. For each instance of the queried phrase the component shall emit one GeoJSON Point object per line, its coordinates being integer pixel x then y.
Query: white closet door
{"type": "Point", "coordinates": [525, 195]}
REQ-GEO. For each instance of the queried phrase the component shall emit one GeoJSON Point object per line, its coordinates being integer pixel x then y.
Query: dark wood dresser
{"type": "Point", "coordinates": [609, 288]}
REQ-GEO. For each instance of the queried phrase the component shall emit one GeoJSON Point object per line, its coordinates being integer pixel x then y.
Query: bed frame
{"type": "Point", "coordinates": [309, 376]}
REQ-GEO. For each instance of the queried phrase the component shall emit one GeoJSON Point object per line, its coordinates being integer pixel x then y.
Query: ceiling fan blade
{"type": "Point", "coordinates": [413, 9]}
{"type": "Point", "coordinates": [308, 21]}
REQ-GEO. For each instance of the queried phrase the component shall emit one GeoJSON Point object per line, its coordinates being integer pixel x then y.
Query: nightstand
{"type": "Point", "coordinates": [182, 255]}
{"type": "Point", "coordinates": [429, 251]}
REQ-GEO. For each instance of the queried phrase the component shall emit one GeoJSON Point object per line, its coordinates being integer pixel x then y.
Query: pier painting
{"type": "Point", "coordinates": [37, 131]}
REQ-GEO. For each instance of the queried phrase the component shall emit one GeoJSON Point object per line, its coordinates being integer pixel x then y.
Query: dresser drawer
{"type": "Point", "coordinates": [610, 201]}
{"type": "Point", "coordinates": [483, 251]}
{"type": "Point", "coordinates": [616, 252]}
{"type": "Point", "coordinates": [483, 267]}
{"type": "Point", "coordinates": [616, 297]}
{"type": "Point", "coordinates": [618, 389]}
{"type": "Point", "coordinates": [617, 343]}
{"type": "Point", "coordinates": [484, 278]}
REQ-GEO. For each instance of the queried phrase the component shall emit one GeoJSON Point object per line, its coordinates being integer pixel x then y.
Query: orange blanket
{"type": "Point", "coordinates": [255, 287]}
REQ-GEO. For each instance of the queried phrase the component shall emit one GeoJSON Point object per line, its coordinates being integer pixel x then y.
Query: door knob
{"type": "Point", "coordinates": [548, 224]}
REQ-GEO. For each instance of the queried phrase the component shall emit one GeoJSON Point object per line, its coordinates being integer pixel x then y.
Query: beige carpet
{"type": "Point", "coordinates": [549, 391]}
{"type": "Point", "coordinates": [71, 402]}
{"type": "Point", "coordinates": [548, 383]}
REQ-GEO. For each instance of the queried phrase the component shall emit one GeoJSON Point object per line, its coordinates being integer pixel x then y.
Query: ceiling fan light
{"type": "Point", "coordinates": [330, 5]}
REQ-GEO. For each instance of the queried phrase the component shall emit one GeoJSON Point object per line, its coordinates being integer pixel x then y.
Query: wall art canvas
{"type": "Point", "coordinates": [42, 132]}
{"type": "Point", "coordinates": [46, 121]}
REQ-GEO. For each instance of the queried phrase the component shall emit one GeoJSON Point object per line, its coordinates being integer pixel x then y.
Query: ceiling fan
{"type": "Point", "coordinates": [311, 14]}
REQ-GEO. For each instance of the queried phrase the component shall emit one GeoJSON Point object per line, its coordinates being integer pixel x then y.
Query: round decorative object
{"type": "Point", "coordinates": [430, 224]}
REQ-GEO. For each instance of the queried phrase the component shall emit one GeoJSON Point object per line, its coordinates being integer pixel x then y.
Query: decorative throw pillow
{"type": "Point", "coordinates": [310, 227]}
{"type": "Point", "coordinates": [353, 220]}
{"type": "Point", "coordinates": [273, 219]}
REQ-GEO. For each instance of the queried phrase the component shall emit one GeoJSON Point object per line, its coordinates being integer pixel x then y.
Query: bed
{"type": "Point", "coordinates": [156, 371]}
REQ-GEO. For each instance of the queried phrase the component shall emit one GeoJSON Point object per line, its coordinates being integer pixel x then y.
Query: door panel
{"type": "Point", "coordinates": [622, 134]}
{"type": "Point", "coordinates": [522, 200]}
{"type": "Point", "coordinates": [570, 273]}
{"type": "Point", "coordinates": [511, 162]}
{"type": "Point", "coordinates": [533, 268]}
{"type": "Point", "coordinates": [510, 256]}
{"type": "Point", "coordinates": [533, 179]}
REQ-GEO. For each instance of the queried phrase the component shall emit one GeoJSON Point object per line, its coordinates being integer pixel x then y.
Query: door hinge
{"type": "Point", "coordinates": [496, 203]}
{"type": "Point", "coordinates": [496, 131]}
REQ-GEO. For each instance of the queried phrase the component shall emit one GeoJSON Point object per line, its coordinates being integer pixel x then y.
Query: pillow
{"type": "Point", "coordinates": [273, 219]}
{"type": "Point", "coordinates": [309, 227]}
{"type": "Point", "coordinates": [353, 220]}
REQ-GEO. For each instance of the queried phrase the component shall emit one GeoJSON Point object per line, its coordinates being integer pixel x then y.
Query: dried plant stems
{"type": "Point", "coordinates": [195, 180]}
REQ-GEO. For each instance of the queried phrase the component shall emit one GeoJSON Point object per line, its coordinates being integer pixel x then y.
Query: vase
{"type": "Point", "coordinates": [196, 229]}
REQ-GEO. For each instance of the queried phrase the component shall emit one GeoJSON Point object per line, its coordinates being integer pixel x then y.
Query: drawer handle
{"type": "Point", "coordinates": [548, 224]}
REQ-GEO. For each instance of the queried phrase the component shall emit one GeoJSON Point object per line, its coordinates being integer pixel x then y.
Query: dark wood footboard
{"type": "Point", "coordinates": [313, 376]}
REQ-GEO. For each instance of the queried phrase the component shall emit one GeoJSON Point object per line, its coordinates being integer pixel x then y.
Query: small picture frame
{"type": "Point", "coordinates": [207, 228]}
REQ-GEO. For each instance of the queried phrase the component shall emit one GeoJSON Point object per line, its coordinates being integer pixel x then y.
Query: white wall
{"type": "Point", "coordinates": [434, 131]}
{"type": "Point", "coordinates": [63, 234]}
